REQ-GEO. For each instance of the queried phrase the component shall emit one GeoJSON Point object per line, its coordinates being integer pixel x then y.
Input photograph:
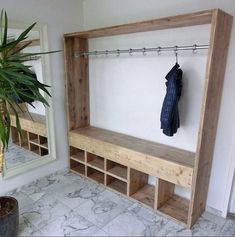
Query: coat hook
{"type": "Point", "coordinates": [106, 52]}
{"type": "Point", "coordinates": [176, 53]}
{"type": "Point", "coordinates": [144, 51]}
{"type": "Point", "coordinates": [194, 48]}
{"type": "Point", "coordinates": [118, 52]}
{"type": "Point", "coordinates": [159, 50]}
{"type": "Point", "coordinates": [130, 52]}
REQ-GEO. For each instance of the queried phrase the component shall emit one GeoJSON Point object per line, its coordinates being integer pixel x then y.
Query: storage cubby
{"type": "Point", "coordinates": [139, 188]}
{"type": "Point", "coordinates": [43, 142]}
{"type": "Point", "coordinates": [95, 175]}
{"type": "Point", "coordinates": [33, 133]}
{"type": "Point", "coordinates": [116, 184]}
{"type": "Point", "coordinates": [169, 203]}
{"type": "Point", "coordinates": [33, 138]}
{"type": "Point", "coordinates": [95, 161]}
{"type": "Point", "coordinates": [34, 148]}
{"type": "Point", "coordinates": [116, 170]}
{"type": "Point", "coordinates": [77, 167]}
{"type": "Point", "coordinates": [43, 151]}
{"type": "Point", "coordinates": [77, 154]}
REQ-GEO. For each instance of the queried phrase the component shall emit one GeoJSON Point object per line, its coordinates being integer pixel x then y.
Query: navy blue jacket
{"type": "Point", "coordinates": [170, 121]}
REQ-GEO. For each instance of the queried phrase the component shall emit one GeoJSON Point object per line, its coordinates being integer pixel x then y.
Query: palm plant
{"type": "Point", "coordinates": [17, 81]}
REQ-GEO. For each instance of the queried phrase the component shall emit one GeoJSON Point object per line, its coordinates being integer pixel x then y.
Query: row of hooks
{"type": "Point", "coordinates": [144, 51]}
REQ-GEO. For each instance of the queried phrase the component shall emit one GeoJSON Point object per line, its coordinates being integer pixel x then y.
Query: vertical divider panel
{"type": "Point", "coordinates": [105, 173]}
{"type": "Point", "coordinates": [163, 192]}
{"type": "Point", "coordinates": [86, 171]}
{"type": "Point", "coordinates": [136, 180]}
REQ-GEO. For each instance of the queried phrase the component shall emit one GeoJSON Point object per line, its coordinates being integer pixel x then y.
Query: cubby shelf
{"type": "Point", "coordinates": [33, 134]}
{"type": "Point", "coordinates": [177, 207]}
{"type": "Point", "coordinates": [118, 185]}
{"type": "Point", "coordinates": [127, 181]}
{"type": "Point", "coordinates": [117, 170]}
{"type": "Point", "coordinates": [145, 195]}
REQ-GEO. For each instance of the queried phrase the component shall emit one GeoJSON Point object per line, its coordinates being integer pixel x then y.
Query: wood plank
{"type": "Point", "coordinates": [191, 19]}
{"type": "Point", "coordinates": [177, 208]}
{"type": "Point", "coordinates": [76, 84]}
{"type": "Point", "coordinates": [151, 158]}
{"type": "Point", "coordinates": [164, 192]}
{"type": "Point", "coordinates": [145, 195]}
{"type": "Point", "coordinates": [216, 64]}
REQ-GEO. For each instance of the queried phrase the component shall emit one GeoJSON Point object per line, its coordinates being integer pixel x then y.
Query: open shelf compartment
{"type": "Point", "coordinates": [43, 151]}
{"type": "Point", "coordinates": [116, 184]}
{"type": "Point", "coordinates": [170, 204]}
{"type": "Point", "coordinates": [95, 175]}
{"type": "Point", "coordinates": [33, 138]}
{"type": "Point", "coordinates": [177, 208]}
{"type": "Point", "coordinates": [77, 167]}
{"type": "Point", "coordinates": [95, 161]}
{"type": "Point", "coordinates": [116, 170]}
{"type": "Point", "coordinates": [34, 148]}
{"type": "Point", "coordinates": [139, 189]}
{"type": "Point", "coordinates": [43, 142]}
{"type": "Point", "coordinates": [77, 154]}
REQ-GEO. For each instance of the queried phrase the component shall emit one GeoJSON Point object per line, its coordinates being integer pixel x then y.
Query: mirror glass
{"type": "Point", "coordinates": [34, 147]}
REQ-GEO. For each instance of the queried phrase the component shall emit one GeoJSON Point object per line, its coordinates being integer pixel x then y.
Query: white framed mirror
{"type": "Point", "coordinates": [36, 146]}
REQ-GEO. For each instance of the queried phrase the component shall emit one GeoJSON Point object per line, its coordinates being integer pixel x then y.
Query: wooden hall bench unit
{"type": "Point", "coordinates": [122, 162]}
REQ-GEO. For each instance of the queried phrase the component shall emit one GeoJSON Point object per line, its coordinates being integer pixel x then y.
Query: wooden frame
{"type": "Point", "coordinates": [142, 158]}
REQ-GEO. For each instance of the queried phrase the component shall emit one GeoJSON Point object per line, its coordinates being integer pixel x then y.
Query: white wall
{"type": "Point", "coordinates": [61, 17]}
{"type": "Point", "coordinates": [113, 84]}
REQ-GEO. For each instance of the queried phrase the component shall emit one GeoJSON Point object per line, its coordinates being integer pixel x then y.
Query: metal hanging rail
{"type": "Point", "coordinates": [130, 51]}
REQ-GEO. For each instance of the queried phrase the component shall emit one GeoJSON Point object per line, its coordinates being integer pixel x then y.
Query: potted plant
{"type": "Point", "coordinates": [17, 85]}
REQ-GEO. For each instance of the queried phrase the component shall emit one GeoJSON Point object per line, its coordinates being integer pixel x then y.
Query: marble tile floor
{"type": "Point", "coordinates": [16, 155]}
{"type": "Point", "coordinates": [66, 204]}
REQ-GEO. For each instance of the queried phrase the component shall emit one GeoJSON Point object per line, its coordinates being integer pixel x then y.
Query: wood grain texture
{"type": "Point", "coordinates": [148, 157]}
{"type": "Point", "coordinates": [145, 195]}
{"type": "Point", "coordinates": [164, 192]}
{"type": "Point", "coordinates": [216, 64]}
{"type": "Point", "coordinates": [36, 124]}
{"type": "Point", "coordinates": [191, 19]}
{"type": "Point", "coordinates": [76, 83]}
{"type": "Point", "coordinates": [176, 208]}
{"type": "Point", "coordinates": [136, 181]}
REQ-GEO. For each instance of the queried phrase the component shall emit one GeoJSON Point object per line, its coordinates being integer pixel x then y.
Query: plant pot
{"type": "Point", "coordinates": [9, 217]}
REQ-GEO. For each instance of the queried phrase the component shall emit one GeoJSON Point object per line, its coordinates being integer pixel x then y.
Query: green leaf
{"type": "Point", "coordinates": [5, 29]}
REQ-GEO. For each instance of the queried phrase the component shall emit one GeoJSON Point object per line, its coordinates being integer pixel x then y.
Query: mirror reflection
{"type": "Point", "coordinates": [33, 142]}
